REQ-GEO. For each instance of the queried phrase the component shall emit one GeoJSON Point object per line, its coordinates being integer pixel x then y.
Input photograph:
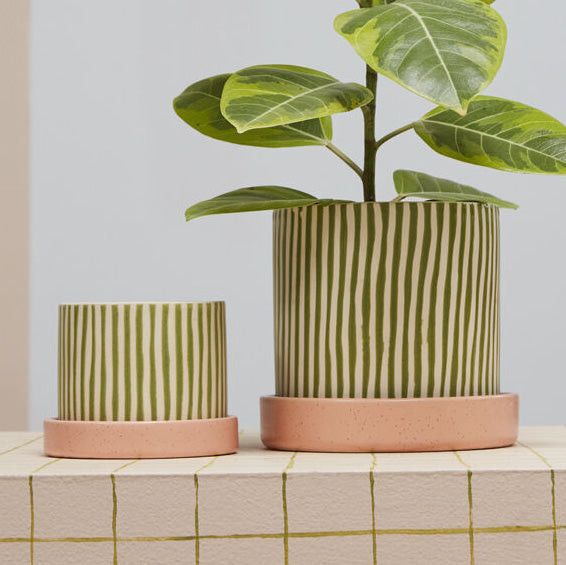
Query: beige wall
{"type": "Point", "coordinates": [14, 242]}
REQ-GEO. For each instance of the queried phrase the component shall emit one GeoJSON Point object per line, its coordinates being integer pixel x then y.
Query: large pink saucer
{"type": "Point", "coordinates": [140, 440]}
{"type": "Point", "coordinates": [389, 425]}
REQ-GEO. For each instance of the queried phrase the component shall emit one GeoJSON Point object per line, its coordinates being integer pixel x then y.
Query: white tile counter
{"type": "Point", "coordinates": [496, 507]}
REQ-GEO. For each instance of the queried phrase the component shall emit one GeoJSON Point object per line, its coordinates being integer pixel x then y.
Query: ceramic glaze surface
{"type": "Point", "coordinates": [141, 440]}
{"type": "Point", "coordinates": [363, 425]}
{"type": "Point", "coordinates": [387, 300]}
{"type": "Point", "coordinates": [154, 361]}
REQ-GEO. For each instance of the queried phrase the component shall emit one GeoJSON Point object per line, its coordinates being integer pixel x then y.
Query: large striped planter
{"type": "Point", "coordinates": [162, 364]}
{"type": "Point", "coordinates": [387, 329]}
{"type": "Point", "coordinates": [387, 300]}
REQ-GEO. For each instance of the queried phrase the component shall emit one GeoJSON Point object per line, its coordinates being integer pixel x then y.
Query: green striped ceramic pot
{"type": "Point", "coordinates": [387, 300]}
{"type": "Point", "coordinates": [142, 362]}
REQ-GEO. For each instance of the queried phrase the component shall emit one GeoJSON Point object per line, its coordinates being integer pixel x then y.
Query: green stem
{"type": "Point", "coordinates": [369, 3]}
{"type": "Point", "coordinates": [391, 135]}
{"type": "Point", "coordinates": [369, 110]}
{"type": "Point", "coordinates": [354, 166]}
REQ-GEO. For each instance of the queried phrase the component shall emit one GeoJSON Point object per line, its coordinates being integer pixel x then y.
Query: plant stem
{"type": "Point", "coordinates": [354, 166]}
{"type": "Point", "coordinates": [394, 133]}
{"type": "Point", "coordinates": [368, 176]}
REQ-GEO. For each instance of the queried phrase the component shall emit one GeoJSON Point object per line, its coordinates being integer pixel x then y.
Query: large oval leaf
{"type": "Point", "coordinates": [444, 50]}
{"type": "Point", "coordinates": [273, 95]}
{"type": "Point", "coordinates": [253, 199]}
{"type": "Point", "coordinates": [498, 133]}
{"type": "Point", "coordinates": [199, 106]}
{"type": "Point", "coordinates": [421, 185]}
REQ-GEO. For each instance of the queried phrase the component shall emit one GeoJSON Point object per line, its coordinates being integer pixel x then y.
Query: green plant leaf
{"type": "Point", "coordinates": [500, 134]}
{"type": "Point", "coordinates": [253, 199]}
{"type": "Point", "coordinates": [199, 106]}
{"type": "Point", "coordinates": [421, 185]}
{"type": "Point", "coordinates": [444, 50]}
{"type": "Point", "coordinates": [274, 95]}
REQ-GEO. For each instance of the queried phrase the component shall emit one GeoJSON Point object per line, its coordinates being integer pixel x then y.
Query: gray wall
{"type": "Point", "coordinates": [113, 170]}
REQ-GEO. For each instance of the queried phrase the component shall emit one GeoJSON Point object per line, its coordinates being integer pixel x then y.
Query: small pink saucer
{"type": "Point", "coordinates": [140, 440]}
{"type": "Point", "coordinates": [389, 425]}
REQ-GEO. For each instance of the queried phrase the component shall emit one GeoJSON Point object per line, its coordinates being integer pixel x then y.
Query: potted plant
{"type": "Point", "coordinates": [386, 313]}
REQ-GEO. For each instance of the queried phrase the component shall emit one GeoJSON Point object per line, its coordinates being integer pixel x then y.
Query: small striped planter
{"type": "Point", "coordinates": [153, 363]}
{"type": "Point", "coordinates": [387, 321]}
{"type": "Point", "coordinates": [142, 362]}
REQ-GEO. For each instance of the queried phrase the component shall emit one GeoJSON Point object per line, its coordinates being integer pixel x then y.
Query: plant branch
{"type": "Point", "coordinates": [369, 3]}
{"type": "Point", "coordinates": [341, 155]}
{"type": "Point", "coordinates": [368, 110]}
{"type": "Point", "coordinates": [393, 134]}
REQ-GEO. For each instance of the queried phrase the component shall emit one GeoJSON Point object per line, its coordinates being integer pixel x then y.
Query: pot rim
{"type": "Point", "coordinates": [143, 303]}
{"type": "Point", "coordinates": [389, 203]}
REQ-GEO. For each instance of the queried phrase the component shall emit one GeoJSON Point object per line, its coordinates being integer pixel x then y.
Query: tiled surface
{"type": "Point", "coordinates": [492, 507]}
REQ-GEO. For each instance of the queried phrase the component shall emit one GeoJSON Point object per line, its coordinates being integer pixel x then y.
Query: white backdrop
{"type": "Point", "coordinates": [113, 169]}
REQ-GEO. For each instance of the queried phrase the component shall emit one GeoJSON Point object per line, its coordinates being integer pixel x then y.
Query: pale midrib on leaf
{"type": "Point", "coordinates": [500, 139]}
{"type": "Point", "coordinates": [204, 94]}
{"type": "Point", "coordinates": [434, 46]}
{"type": "Point", "coordinates": [289, 101]}
{"type": "Point", "coordinates": [301, 132]}
{"type": "Point", "coordinates": [242, 90]}
{"type": "Point", "coordinates": [323, 139]}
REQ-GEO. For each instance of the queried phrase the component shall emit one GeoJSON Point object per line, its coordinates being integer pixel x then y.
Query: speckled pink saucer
{"type": "Point", "coordinates": [140, 440]}
{"type": "Point", "coordinates": [389, 425]}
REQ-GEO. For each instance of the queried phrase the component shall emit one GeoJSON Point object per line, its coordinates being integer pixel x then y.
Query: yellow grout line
{"type": "Point", "coordinates": [206, 465]}
{"type": "Point", "coordinates": [197, 525]}
{"type": "Point", "coordinates": [372, 491]}
{"type": "Point", "coordinates": [461, 460]}
{"type": "Point", "coordinates": [553, 498]}
{"type": "Point", "coordinates": [31, 519]}
{"type": "Point", "coordinates": [115, 508]}
{"type": "Point", "coordinates": [555, 531]}
{"type": "Point", "coordinates": [288, 467]}
{"type": "Point", "coordinates": [12, 449]}
{"type": "Point", "coordinates": [41, 467]}
{"type": "Point", "coordinates": [121, 467]}
{"type": "Point", "coordinates": [114, 520]}
{"type": "Point", "coordinates": [345, 533]}
{"type": "Point", "coordinates": [535, 452]}
{"type": "Point", "coordinates": [470, 506]}
{"type": "Point", "coordinates": [32, 507]}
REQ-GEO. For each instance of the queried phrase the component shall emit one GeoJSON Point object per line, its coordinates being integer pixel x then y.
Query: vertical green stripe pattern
{"type": "Point", "coordinates": [387, 300]}
{"type": "Point", "coordinates": [142, 362]}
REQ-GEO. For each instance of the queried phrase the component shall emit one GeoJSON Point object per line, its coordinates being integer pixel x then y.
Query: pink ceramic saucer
{"type": "Point", "coordinates": [140, 440]}
{"type": "Point", "coordinates": [389, 425]}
